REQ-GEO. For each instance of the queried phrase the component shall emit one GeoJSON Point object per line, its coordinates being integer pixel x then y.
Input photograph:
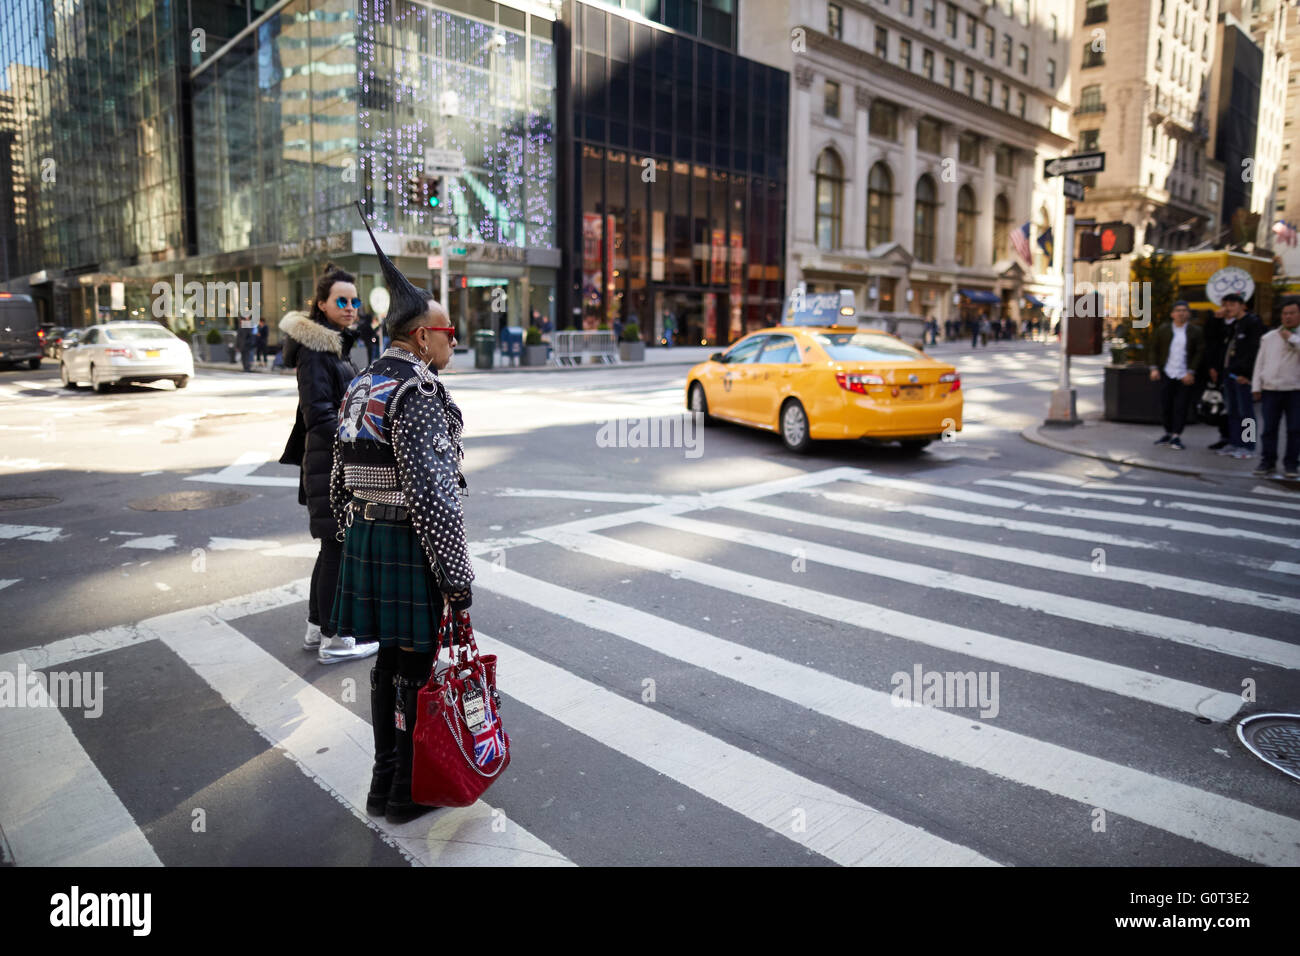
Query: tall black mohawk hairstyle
{"type": "Point", "coordinates": [406, 301]}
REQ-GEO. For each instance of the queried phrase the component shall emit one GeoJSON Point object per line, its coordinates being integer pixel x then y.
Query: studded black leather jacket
{"type": "Point", "coordinates": [399, 443]}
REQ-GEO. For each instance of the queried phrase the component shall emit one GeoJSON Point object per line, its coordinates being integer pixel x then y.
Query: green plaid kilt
{"type": "Point", "coordinates": [386, 592]}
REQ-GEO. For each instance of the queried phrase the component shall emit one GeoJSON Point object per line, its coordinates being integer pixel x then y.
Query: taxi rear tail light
{"type": "Point", "coordinates": [851, 382]}
{"type": "Point", "coordinates": [954, 378]}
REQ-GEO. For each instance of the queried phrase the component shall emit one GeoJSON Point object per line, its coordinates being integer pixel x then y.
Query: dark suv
{"type": "Point", "coordinates": [19, 339]}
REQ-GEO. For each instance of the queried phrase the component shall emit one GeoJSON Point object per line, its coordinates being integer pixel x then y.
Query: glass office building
{"type": "Point", "coordinates": [330, 101]}
{"type": "Point", "coordinates": [231, 144]}
{"type": "Point", "coordinates": [674, 165]}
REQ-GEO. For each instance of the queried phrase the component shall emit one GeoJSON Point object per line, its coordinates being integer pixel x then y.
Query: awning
{"type": "Point", "coordinates": [980, 295]}
{"type": "Point", "coordinates": [1034, 300]}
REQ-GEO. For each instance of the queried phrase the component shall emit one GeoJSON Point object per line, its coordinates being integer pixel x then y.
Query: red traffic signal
{"type": "Point", "coordinates": [1116, 238]}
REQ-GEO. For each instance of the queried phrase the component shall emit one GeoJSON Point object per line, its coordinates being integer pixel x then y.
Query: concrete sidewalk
{"type": "Point", "coordinates": [1128, 444]}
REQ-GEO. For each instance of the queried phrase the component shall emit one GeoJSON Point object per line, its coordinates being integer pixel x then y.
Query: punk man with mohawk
{"type": "Point", "coordinates": [396, 488]}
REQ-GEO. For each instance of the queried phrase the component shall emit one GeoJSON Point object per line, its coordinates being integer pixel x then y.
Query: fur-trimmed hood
{"type": "Point", "coordinates": [303, 332]}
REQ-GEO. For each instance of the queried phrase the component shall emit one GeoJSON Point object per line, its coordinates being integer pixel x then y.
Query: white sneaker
{"type": "Point", "coordinates": [311, 640]}
{"type": "Point", "coordinates": [334, 650]}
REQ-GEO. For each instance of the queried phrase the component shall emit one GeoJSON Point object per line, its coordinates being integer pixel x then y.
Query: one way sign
{"type": "Point", "coordinates": [1078, 163]}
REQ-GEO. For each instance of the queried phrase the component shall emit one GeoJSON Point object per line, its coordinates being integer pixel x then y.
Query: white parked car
{"type": "Point", "coordinates": [118, 352]}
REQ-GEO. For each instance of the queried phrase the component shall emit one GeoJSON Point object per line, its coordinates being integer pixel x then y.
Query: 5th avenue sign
{"type": "Point", "coordinates": [1078, 163]}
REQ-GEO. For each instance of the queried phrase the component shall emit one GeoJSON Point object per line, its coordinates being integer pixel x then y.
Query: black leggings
{"type": "Point", "coordinates": [411, 665]}
{"type": "Point", "coordinates": [324, 581]}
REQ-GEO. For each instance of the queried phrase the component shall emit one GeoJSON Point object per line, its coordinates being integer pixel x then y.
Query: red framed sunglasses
{"type": "Point", "coordinates": [450, 330]}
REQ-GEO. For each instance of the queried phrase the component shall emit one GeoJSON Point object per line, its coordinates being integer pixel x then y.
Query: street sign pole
{"type": "Point", "coordinates": [1062, 410]}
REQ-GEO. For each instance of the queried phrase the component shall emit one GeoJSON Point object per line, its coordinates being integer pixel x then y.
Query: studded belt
{"type": "Point", "coordinates": [374, 511]}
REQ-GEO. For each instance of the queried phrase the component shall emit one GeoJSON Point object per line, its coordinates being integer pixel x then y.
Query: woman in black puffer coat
{"type": "Point", "coordinates": [317, 346]}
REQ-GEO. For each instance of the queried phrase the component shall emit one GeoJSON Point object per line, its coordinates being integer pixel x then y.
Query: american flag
{"type": "Point", "coordinates": [1285, 232]}
{"type": "Point", "coordinates": [1020, 242]}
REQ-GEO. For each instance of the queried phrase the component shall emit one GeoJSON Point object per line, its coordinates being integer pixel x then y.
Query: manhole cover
{"type": "Point", "coordinates": [20, 504]}
{"type": "Point", "coordinates": [1274, 739]}
{"type": "Point", "coordinates": [190, 500]}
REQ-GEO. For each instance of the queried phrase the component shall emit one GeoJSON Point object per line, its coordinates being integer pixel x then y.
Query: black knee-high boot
{"type": "Point", "coordinates": [400, 807]}
{"type": "Point", "coordinates": [383, 703]}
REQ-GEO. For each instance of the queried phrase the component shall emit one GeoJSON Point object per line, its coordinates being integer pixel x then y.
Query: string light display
{"type": "Point", "coordinates": [501, 118]}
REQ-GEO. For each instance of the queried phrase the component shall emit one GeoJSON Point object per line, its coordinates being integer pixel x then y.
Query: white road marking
{"type": "Point", "coordinates": [1236, 514]}
{"type": "Point", "coordinates": [1286, 567]}
{"type": "Point", "coordinates": [1207, 637]}
{"type": "Point", "coordinates": [161, 586]}
{"type": "Point", "coordinates": [30, 464]}
{"type": "Point", "coordinates": [1225, 824]}
{"type": "Point", "coordinates": [241, 544]}
{"type": "Point", "coordinates": [990, 521]}
{"type": "Point", "coordinates": [58, 808]}
{"type": "Point", "coordinates": [839, 828]}
{"type": "Point", "coordinates": [1025, 556]}
{"type": "Point", "coordinates": [1057, 493]}
{"type": "Point", "coordinates": [241, 473]}
{"type": "Point", "coordinates": [1101, 675]}
{"type": "Point", "coordinates": [1151, 521]}
{"type": "Point", "coordinates": [29, 532]}
{"type": "Point", "coordinates": [6, 582]}
{"type": "Point", "coordinates": [125, 532]}
{"type": "Point", "coordinates": [335, 747]}
{"type": "Point", "coordinates": [1155, 490]}
{"type": "Point", "coordinates": [577, 494]}
{"type": "Point", "coordinates": [158, 542]}
{"type": "Point", "coordinates": [304, 549]}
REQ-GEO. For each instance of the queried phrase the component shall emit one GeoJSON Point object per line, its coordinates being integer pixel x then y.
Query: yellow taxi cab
{"type": "Point", "coordinates": [819, 376]}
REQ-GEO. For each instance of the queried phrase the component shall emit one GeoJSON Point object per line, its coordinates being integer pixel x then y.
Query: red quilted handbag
{"type": "Point", "coordinates": [459, 744]}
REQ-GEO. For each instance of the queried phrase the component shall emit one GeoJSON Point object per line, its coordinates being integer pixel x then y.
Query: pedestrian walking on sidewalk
{"type": "Point", "coordinates": [396, 489]}
{"type": "Point", "coordinates": [317, 346]}
{"type": "Point", "coordinates": [263, 341]}
{"type": "Point", "coordinates": [1275, 384]}
{"type": "Point", "coordinates": [1176, 351]}
{"type": "Point", "coordinates": [1244, 330]}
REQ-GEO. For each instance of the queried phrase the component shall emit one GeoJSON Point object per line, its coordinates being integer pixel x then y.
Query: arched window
{"type": "Point", "coordinates": [926, 208]}
{"type": "Point", "coordinates": [880, 205]}
{"type": "Point", "coordinates": [1001, 227]}
{"type": "Point", "coordinates": [965, 226]}
{"type": "Point", "coordinates": [830, 199]}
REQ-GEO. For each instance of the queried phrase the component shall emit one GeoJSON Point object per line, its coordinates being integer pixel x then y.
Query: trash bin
{"type": "Point", "coordinates": [484, 343]}
{"type": "Point", "coordinates": [512, 344]}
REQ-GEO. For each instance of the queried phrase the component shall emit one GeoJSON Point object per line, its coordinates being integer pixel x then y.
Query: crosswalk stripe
{"type": "Point", "coordinates": [1154, 490]}
{"type": "Point", "coordinates": [1286, 567]}
{"type": "Point", "coordinates": [58, 808]}
{"type": "Point", "coordinates": [1207, 818]}
{"type": "Point", "coordinates": [841, 829]}
{"type": "Point", "coordinates": [29, 532]}
{"type": "Point", "coordinates": [1151, 521]}
{"type": "Point", "coordinates": [1207, 637]}
{"type": "Point", "coordinates": [334, 747]}
{"type": "Point", "coordinates": [1058, 493]}
{"type": "Point", "coordinates": [6, 582]}
{"type": "Point", "coordinates": [988, 521]}
{"type": "Point", "coordinates": [1236, 514]}
{"type": "Point", "coordinates": [1029, 557]}
{"type": "Point", "coordinates": [1100, 675]}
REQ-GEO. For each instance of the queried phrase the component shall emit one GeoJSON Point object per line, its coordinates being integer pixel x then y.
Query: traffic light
{"type": "Point", "coordinates": [435, 192]}
{"type": "Point", "coordinates": [414, 189]}
{"type": "Point", "coordinates": [1115, 238]}
{"type": "Point", "coordinates": [1110, 240]}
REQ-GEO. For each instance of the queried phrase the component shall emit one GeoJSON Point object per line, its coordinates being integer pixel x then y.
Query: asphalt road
{"type": "Point", "coordinates": [703, 649]}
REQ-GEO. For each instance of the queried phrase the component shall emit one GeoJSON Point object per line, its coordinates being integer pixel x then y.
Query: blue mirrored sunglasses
{"type": "Point", "coordinates": [342, 303]}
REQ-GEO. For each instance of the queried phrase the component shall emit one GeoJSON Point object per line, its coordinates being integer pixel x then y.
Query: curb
{"type": "Point", "coordinates": [1033, 434]}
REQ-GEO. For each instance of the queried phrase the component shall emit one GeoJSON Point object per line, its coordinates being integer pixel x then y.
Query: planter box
{"type": "Point", "coordinates": [1130, 395]}
{"type": "Point", "coordinates": [631, 351]}
{"type": "Point", "coordinates": [535, 355]}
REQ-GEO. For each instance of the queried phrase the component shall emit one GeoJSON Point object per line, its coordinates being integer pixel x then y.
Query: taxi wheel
{"type": "Point", "coordinates": [794, 426]}
{"type": "Point", "coordinates": [700, 402]}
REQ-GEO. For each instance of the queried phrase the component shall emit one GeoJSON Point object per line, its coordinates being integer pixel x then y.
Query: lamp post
{"type": "Point", "coordinates": [1062, 409]}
